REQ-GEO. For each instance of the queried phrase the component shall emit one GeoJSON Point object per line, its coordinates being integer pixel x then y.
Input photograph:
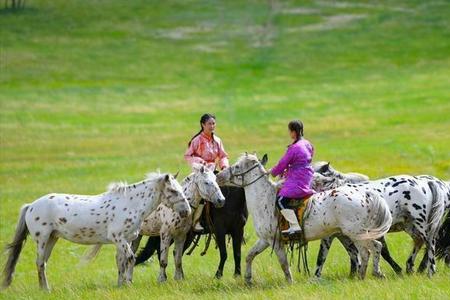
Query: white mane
{"type": "Point", "coordinates": [117, 187]}
{"type": "Point", "coordinates": [122, 186]}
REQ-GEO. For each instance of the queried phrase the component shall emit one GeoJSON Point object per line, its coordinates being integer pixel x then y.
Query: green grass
{"type": "Point", "coordinates": [99, 91]}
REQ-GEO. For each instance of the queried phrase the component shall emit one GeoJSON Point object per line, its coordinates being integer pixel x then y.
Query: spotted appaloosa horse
{"type": "Point", "coordinates": [222, 221]}
{"type": "Point", "coordinates": [168, 224]}
{"type": "Point", "coordinates": [417, 205]}
{"type": "Point", "coordinates": [114, 217]}
{"type": "Point", "coordinates": [361, 216]}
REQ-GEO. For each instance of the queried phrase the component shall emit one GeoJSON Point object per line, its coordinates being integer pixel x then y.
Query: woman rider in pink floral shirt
{"type": "Point", "coordinates": [206, 148]}
{"type": "Point", "coordinates": [295, 167]}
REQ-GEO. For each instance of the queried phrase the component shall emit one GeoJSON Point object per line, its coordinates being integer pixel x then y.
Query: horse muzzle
{"type": "Point", "coordinates": [183, 210]}
{"type": "Point", "coordinates": [220, 202]}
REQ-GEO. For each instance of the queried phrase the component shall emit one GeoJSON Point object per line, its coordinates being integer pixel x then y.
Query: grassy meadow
{"type": "Point", "coordinates": [98, 91]}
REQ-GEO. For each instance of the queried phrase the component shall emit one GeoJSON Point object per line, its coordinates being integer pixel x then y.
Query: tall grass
{"type": "Point", "coordinates": [99, 91]}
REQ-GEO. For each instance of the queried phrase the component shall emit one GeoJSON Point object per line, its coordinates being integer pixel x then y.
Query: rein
{"type": "Point", "coordinates": [242, 174]}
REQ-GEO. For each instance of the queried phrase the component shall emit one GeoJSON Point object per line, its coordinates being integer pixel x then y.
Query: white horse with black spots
{"type": "Point", "coordinates": [169, 225]}
{"type": "Point", "coordinates": [114, 217]}
{"type": "Point", "coordinates": [416, 203]}
{"type": "Point", "coordinates": [362, 217]}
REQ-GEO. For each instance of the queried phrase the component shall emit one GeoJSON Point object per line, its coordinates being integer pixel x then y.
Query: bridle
{"type": "Point", "coordinates": [209, 196]}
{"type": "Point", "coordinates": [242, 174]}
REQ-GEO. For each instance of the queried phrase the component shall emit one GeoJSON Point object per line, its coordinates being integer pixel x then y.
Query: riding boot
{"type": "Point", "coordinates": [196, 218]}
{"type": "Point", "coordinates": [294, 227]}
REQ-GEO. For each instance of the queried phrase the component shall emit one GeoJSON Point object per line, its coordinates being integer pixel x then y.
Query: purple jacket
{"type": "Point", "coordinates": [295, 167]}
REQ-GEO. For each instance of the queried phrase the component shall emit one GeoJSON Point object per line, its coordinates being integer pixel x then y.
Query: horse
{"type": "Point", "coordinates": [417, 204]}
{"type": "Point", "coordinates": [167, 224]}
{"type": "Point", "coordinates": [362, 217]}
{"type": "Point", "coordinates": [227, 220]}
{"type": "Point", "coordinates": [113, 217]}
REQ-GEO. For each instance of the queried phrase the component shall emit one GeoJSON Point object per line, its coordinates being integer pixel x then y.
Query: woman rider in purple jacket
{"type": "Point", "coordinates": [295, 167]}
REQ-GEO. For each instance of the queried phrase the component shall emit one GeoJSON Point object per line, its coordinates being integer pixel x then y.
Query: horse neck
{"type": "Point", "coordinates": [190, 190]}
{"type": "Point", "coordinates": [152, 195]}
{"type": "Point", "coordinates": [260, 198]}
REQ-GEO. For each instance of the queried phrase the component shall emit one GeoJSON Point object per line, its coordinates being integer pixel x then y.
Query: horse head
{"type": "Point", "coordinates": [242, 173]}
{"type": "Point", "coordinates": [173, 195]}
{"type": "Point", "coordinates": [205, 181]}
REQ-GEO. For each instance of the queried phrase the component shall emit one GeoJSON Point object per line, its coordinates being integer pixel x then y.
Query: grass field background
{"type": "Point", "coordinates": [99, 91]}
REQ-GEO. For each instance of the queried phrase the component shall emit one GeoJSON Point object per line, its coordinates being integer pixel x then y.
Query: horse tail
{"type": "Point", "coordinates": [437, 209]}
{"type": "Point", "coordinates": [90, 254]}
{"type": "Point", "coordinates": [15, 247]}
{"type": "Point", "coordinates": [152, 245]}
{"type": "Point", "coordinates": [379, 218]}
{"type": "Point", "coordinates": [443, 239]}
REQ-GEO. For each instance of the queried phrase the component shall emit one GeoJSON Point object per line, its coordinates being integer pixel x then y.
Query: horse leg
{"type": "Point", "coordinates": [325, 245]}
{"type": "Point", "coordinates": [221, 243]}
{"type": "Point", "coordinates": [352, 253]}
{"type": "Point", "coordinates": [125, 261]}
{"type": "Point", "coordinates": [135, 243]}
{"type": "Point", "coordinates": [376, 247]}
{"type": "Point", "coordinates": [165, 243]}
{"type": "Point", "coordinates": [259, 247]}
{"type": "Point", "coordinates": [364, 254]}
{"type": "Point", "coordinates": [387, 257]}
{"type": "Point", "coordinates": [282, 258]}
{"type": "Point", "coordinates": [237, 243]}
{"type": "Point", "coordinates": [44, 246]}
{"type": "Point", "coordinates": [431, 262]}
{"type": "Point", "coordinates": [410, 262]}
{"type": "Point", "coordinates": [178, 256]}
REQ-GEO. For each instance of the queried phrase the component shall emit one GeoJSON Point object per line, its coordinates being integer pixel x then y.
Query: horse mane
{"type": "Point", "coordinates": [122, 186]}
{"type": "Point", "coordinates": [117, 187]}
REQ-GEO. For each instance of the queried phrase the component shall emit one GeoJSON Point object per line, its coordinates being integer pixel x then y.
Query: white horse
{"type": "Point", "coordinates": [112, 217]}
{"type": "Point", "coordinates": [168, 224]}
{"type": "Point", "coordinates": [362, 217]}
{"type": "Point", "coordinates": [417, 205]}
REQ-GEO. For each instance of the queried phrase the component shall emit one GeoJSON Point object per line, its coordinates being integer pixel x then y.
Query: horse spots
{"type": "Point", "coordinates": [113, 208]}
{"type": "Point", "coordinates": [407, 195]}
{"type": "Point", "coordinates": [124, 209]}
{"type": "Point", "coordinates": [45, 223]}
{"type": "Point", "coordinates": [398, 183]}
{"type": "Point", "coordinates": [37, 218]}
{"type": "Point", "coordinates": [66, 204]}
{"type": "Point", "coordinates": [51, 197]}
{"type": "Point", "coordinates": [63, 220]}
{"type": "Point", "coordinates": [37, 233]}
{"type": "Point", "coordinates": [392, 193]}
{"type": "Point", "coordinates": [417, 207]}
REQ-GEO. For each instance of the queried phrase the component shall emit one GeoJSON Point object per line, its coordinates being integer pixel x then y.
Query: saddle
{"type": "Point", "coordinates": [299, 206]}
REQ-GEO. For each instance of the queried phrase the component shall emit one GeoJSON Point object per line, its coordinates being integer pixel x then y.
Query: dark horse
{"type": "Point", "coordinates": [230, 219]}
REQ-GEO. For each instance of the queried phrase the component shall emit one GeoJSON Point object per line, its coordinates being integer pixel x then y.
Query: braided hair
{"type": "Point", "coordinates": [205, 118]}
{"type": "Point", "coordinates": [297, 126]}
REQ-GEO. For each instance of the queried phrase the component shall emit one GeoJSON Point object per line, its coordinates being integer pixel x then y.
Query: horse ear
{"type": "Point", "coordinates": [176, 175]}
{"type": "Point", "coordinates": [202, 169]}
{"type": "Point", "coordinates": [167, 178]}
{"type": "Point", "coordinates": [264, 159]}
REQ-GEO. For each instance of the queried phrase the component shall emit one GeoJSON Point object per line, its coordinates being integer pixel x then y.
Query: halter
{"type": "Point", "coordinates": [209, 196]}
{"type": "Point", "coordinates": [242, 176]}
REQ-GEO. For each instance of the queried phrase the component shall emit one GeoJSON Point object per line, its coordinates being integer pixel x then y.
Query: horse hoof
{"type": "Point", "coordinates": [178, 278]}
{"type": "Point", "coordinates": [237, 275]}
{"type": "Point", "coordinates": [248, 281]}
{"type": "Point", "coordinates": [379, 275]}
{"type": "Point", "coordinates": [162, 279]}
{"type": "Point", "coordinates": [218, 275]}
